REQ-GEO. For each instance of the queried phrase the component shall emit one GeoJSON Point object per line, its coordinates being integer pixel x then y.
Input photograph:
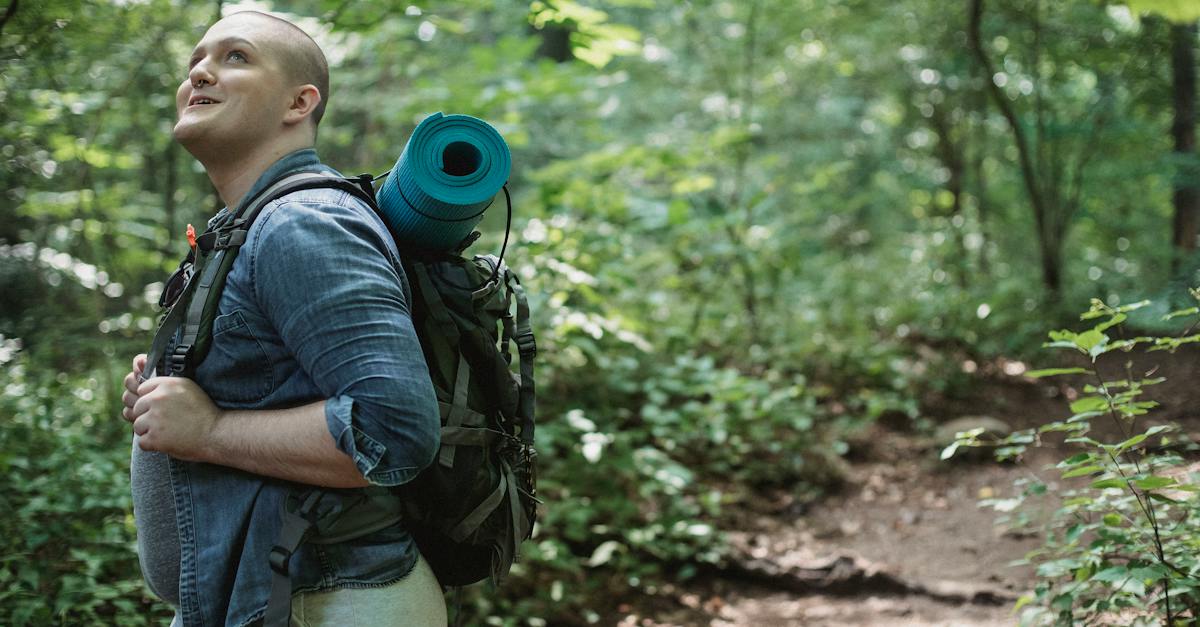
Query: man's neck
{"type": "Point", "coordinates": [233, 178]}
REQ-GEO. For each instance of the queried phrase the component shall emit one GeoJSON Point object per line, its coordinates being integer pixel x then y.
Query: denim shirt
{"type": "Point", "coordinates": [315, 307]}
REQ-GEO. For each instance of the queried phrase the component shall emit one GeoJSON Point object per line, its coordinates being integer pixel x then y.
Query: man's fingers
{"type": "Point", "coordinates": [139, 363]}
{"type": "Point", "coordinates": [128, 399]}
{"type": "Point", "coordinates": [132, 383]}
{"type": "Point", "coordinates": [141, 426]}
{"type": "Point", "coordinates": [149, 385]}
{"type": "Point", "coordinates": [140, 406]}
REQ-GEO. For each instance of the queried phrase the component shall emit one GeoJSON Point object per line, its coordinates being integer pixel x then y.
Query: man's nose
{"type": "Point", "coordinates": [201, 75]}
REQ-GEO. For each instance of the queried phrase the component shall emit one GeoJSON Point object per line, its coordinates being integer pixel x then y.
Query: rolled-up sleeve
{"type": "Point", "coordinates": [322, 274]}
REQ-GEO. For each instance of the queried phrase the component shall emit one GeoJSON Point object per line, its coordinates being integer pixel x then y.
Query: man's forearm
{"type": "Point", "coordinates": [292, 444]}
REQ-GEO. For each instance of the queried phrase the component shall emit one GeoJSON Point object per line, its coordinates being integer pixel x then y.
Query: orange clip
{"type": "Point", "coordinates": [191, 235]}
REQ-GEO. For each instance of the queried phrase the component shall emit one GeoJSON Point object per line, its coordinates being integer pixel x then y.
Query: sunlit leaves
{"type": "Point", "coordinates": [1182, 11]}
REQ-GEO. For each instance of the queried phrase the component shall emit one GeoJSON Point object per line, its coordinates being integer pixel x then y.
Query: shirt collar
{"type": "Point", "coordinates": [299, 160]}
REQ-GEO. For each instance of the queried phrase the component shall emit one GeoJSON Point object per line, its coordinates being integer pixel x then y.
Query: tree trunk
{"type": "Point", "coordinates": [170, 187]}
{"type": "Point", "coordinates": [1045, 211]}
{"type": "Point", "coordinates": [556, 43]}
{"type": "Point", "coordinates": [1183, 130]}
{"type": "Point", "coordinates": [8, 14]}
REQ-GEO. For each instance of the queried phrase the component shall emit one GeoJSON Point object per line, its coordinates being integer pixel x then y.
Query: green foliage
{"type": "Point", "coordinates": [66, 554]}
{"type": "Point", "coordinates": [1123, 540]}
{"type": "Point", "coordinates": [748, 230]}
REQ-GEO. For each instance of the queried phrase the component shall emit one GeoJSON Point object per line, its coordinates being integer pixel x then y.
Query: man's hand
{"type": "Point", "coordinates": [172, 415]}
{"type": "Point", "coordinates": [132, 381]}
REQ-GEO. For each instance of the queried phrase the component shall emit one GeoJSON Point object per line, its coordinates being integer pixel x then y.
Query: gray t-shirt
{"type": "Point", "coordinates": [154, 513]}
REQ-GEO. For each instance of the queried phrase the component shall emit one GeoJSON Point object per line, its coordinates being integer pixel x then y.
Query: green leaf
{"type": "Point", "coordinates": [1154, 482]}
{"type": "Point", "coordinates": [1053, 372]}
{"type": "Point", "coordinates": [1112, 574]}
{"type": "Point", "coordinates": [1108, 483]}
{"type": "Point", "coordinates": [1179, 11]}
{"type": "Point", "coordinates": [1076, 459]}
{"type": "Point", "coordinates": [1111, 322]}
{"type": "Point", "coordinates": [1112, 520]}
{"type": "Point", "coordinates": [1090, 339]}
{"type": "Point", "coordinates": [1181, 312]}
{"type": "Point", "coordinates": [1084, 470]}
{"type": "Point", "coordinates": [1088, 404]}
{"type": "Point", "coordinates": [1131, 442]}
{"type": "Point", "coordinates": [948, 452]}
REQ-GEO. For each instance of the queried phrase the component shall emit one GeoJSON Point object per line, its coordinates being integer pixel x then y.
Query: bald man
{"type": "Point", "coordinates": [315, 376]}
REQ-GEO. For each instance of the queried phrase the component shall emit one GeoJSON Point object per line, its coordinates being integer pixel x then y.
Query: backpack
{"type": "Point", "coordinates": [472, 508]}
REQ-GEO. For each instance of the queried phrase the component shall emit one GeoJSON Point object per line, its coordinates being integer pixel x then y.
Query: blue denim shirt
{"type": "Point", "coordinates": [315, 307]}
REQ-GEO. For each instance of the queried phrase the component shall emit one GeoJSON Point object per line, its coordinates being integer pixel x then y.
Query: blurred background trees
{"type": "Point", "coordinates": [749, 228]}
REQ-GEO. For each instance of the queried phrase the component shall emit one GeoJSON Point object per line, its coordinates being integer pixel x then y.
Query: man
{"type": "Point", "coordinates": [315, 375]}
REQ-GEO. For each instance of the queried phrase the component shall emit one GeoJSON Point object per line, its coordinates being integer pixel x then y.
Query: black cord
{"type": "Point", "coordinates": [507, 228]}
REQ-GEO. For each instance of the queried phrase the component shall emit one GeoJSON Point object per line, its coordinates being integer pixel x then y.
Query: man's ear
{"type": "Point", "coordinates": [304, 101]}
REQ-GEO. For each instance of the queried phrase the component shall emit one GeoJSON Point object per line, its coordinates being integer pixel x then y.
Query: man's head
{"type": "Point", "coordinates": [253, 80]}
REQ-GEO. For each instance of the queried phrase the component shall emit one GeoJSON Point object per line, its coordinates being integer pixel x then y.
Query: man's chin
{"type": "Point", "coordinates": [188, 135]}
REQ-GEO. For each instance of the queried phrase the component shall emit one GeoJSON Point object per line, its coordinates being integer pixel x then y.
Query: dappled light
{"type": "Point", "coordinates": [846, 312]}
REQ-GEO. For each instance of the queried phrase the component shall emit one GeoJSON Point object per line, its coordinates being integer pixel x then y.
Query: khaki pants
{"type": "Point", "coordinates": [415, 601]}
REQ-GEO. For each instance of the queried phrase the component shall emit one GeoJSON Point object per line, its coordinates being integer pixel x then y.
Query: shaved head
{"type": "Point", "coordinates": [298, 55]}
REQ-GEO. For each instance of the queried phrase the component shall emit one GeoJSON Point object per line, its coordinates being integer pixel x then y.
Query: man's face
{"type": "Point", "coordinates": [234, 94]}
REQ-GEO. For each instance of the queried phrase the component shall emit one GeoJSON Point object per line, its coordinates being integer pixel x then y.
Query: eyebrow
{"type": "Point", "coordinates": [227, 42]}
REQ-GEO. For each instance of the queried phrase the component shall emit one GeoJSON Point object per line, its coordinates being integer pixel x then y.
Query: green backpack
{"type": "Point", "coordinates": [472, 508]}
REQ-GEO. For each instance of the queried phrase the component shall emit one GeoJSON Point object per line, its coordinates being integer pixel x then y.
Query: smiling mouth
{"type": "Point", "coordinates": [196, 102]}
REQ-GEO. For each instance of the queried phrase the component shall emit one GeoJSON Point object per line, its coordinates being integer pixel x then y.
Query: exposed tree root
{"type": "Point", "coordinates": [849, 575]}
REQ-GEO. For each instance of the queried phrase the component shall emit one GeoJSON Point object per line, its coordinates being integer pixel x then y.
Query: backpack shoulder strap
{"type": "Point", "coordinates": [195, 311]}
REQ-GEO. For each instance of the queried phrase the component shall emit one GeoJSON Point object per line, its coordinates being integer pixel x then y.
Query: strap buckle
{"type": "Point", "coordinates": [176, 362]}
{"type": "Point", "coordinates": [222, 238]}
{"type": "Point", "coordinates": [279, 559]}
{"type": "Point", "coordinates": [526, 345]}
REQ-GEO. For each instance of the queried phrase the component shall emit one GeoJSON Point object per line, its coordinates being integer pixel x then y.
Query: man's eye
{"type": "Point", "coordinates": [236, 55]}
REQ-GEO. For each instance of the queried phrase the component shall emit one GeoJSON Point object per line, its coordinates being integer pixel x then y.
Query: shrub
{"type": "Point", "coordinates": [1122, 548]}
{"type": "Point", "coordinates": [67, 538]}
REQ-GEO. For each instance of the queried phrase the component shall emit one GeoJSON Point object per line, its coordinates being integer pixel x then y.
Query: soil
{"type": "Point", "coordinates": [912, 519]}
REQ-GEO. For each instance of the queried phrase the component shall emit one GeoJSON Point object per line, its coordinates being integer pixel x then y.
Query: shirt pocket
{"type": "Point", "coordinates": [236, 370]}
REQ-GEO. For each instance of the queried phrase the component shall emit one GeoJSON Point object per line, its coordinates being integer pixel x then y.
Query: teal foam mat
{"type": "Point", "coordinates": [448, 174]}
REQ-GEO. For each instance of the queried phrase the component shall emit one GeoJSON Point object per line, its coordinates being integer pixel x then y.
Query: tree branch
{"type": "Point", "coordinates": [1028, 170]}
{"type": "Point", "coordinates": [8, 14]}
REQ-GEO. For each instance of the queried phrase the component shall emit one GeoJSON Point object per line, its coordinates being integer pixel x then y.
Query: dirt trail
{"type": "Point", "coordinates": [911, 543]}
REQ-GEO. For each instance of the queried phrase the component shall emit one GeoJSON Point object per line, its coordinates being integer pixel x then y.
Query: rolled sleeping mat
{"type": "Point", "coordinates": [448, 174]}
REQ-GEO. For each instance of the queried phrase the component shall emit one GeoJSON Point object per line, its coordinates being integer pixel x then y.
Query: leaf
{"type": "Point", "coordinates": [1053, 372]}
{"type": "Point", "coordinates": [1090, 339]}
{"type": "Point", "coordinates": [1181, 312]}
{"type": "Point", "coordinates": [1179, 11]}
{"type": "Point", "coordinates": [1154, 482]}
{"type": "Point", "coordinates": [1079, 472]}
{"type": "Point", "coordinates": [948, 452]}
{"type": "Point", "coordinates": [1112, 574]}
{"type": "Point", "coordinates": [1112, 520]}
{"type": "Point", "coordinates": [1108, 483]}
{"type": "Point", "coordinates": [1131, 442]}
{"type": "Point", "coordinates": [1076, 459]}
{"type": "Point", "coordinates": [1111, 322]}
{"type": "Point", "coordinates": [1089, 403]}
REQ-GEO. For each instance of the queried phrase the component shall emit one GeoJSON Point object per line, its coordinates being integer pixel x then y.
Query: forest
{"type": "Point", "coordinates": [847, 312]}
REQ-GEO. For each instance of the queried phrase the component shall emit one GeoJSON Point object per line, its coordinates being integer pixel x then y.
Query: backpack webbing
{"type": "Point", "coordinates": [196, 308]}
